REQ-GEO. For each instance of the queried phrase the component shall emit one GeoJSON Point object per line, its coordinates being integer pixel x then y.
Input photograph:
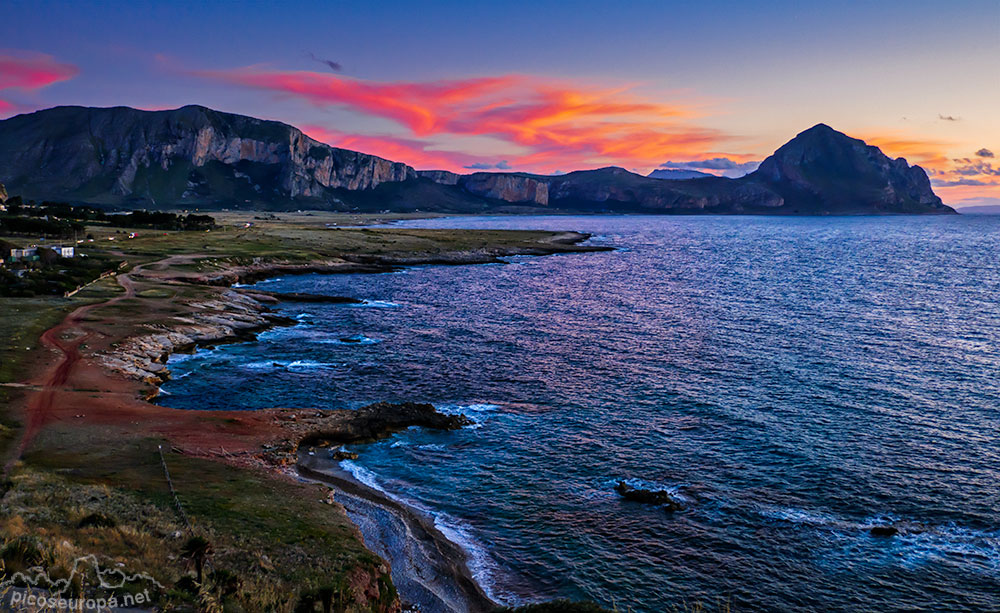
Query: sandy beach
{"type": "Point", "coordinates": [428, 570]}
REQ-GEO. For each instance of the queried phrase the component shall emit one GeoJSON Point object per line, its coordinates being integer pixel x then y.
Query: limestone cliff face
{"type": "Point", "coordinates": [516, 188]}
{"type": "Point", "coordinates": [188, 155]}
{"type": "Point", "coordinates": [444, 177]}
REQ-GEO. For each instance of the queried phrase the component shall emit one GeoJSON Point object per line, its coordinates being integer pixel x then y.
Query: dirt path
{"type": "Point", "coordinates": [73, 387]}
{"type": "Point", "coordinates": [65, 338]}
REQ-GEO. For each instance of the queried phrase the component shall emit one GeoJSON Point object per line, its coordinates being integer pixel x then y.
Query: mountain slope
{"type": "Point", "coordinates": [823, 168]}
{"type": "Point", "coordinates": [197, 157]}
{"type": "Point", "coordinates": [676, 174]}
{"type": "Point", "coordinates": [188, 156]}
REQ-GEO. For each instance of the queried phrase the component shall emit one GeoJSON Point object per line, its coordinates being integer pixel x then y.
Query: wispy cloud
{"type": "Point", "coordinates": [547, 123]}
{"type": "Point", "coordinates": [416, 152]}
{"type": "Point", "coordinates": [334, 66]}
{"type": "Point", "coordinates": [501, 165]}
{"type": "Point", "coordinates": [958, 182]}
{"type": "Point", "coordinates": [724, 166]}
{"type": "Point", "coordinates": [928, 153]}
{"type": "Point", "coordinates": [28, 71]}
{"type": "Point", "coordinates": [948, 118]}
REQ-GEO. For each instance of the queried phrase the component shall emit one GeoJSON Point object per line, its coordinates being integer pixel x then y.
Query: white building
{"type": "Point", "coordinates": [23, 254]}
{"type": "Point", "coordinates": [63, 251]}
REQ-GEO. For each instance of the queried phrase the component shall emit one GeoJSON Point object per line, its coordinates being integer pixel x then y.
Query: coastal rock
{"type": "Point", "coordinates": [649, 496]}
{"type": "Point", "coordinates": [231, 316]}
{"type": "Point", "coordinates": [261, 295]}
{"type": "Point", "coordinates": [884, 531]}
{"type": "Point", "coordinates": [380, 420]}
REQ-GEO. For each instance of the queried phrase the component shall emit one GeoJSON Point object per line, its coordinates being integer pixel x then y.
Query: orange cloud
{"type": "Point", "coordinates": [29, 71]}
{"type": "Point", "coordinates": [422, 107]}
{"type": "Point", "coordinates": [954, 180]}
{"type": "Point", "coordinates": [549, 124]}
{"type": "Point", "coordinates": [414, 152]}
{"type": "Point", "coordinates": [929, 154]}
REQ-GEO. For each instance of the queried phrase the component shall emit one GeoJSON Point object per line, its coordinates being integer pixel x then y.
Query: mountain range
{"type": "Point", "coordinates": [677, 174]}
{"type": "Point", "coordinates": [196, 157]}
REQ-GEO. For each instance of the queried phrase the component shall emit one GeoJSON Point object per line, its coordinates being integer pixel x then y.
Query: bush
{"type": "Point", "coordinates": [23, 553]}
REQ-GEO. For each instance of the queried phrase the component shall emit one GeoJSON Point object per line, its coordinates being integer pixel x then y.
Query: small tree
{"type": "Point", "coordinates": [196, 551]}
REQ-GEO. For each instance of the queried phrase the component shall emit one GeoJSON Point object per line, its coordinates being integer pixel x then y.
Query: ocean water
{"type": "Point", "coordinates": [795, 380]}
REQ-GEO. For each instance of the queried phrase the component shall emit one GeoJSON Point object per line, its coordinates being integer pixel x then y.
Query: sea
{"type": "Point", "coordinates": [793, 381]}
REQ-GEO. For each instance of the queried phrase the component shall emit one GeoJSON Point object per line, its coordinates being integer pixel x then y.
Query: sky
{"type": "Point", "coordinates": [543, 86]}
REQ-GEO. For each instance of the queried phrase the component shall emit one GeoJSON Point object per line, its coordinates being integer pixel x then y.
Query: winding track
{"type": "Point", "coordinates": [40, 409]}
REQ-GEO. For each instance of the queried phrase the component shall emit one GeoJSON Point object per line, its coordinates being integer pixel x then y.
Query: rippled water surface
{"type": "Point", "coordinates": [796, 381]}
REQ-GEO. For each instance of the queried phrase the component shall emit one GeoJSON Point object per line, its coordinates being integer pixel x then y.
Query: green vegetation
{"type": "Point", "coordinates": [50, 218]}
{"type": "Point", "coordinates": [248, 539]}
{"type": "Point", "coordinates": [255, 543]}
{"type": "Point", "coordinates": [52, 275]}
{"type": "Point", "coordinates": [12, 225]}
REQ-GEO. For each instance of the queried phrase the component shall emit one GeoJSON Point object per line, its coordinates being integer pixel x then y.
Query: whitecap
{"type": "Point", "coordinates": [310, 365]}
{"type": "Point", "coordinates": [267, 365]}
{"type": "Point", "coordinates": [354, 339]}
{"type": "Point", "coordinates": [376, 304]}
{"type": "Point", "coordinates": [799, 516]}
{"type": "Point", "coordinates": [367, 477]}
{"type": "Point", "coordinates": [476, 413]}
{"type": "Point", "coordinates": [481, 564]}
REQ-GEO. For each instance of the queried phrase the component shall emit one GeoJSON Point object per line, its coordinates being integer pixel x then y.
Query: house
{"type": "Point", "coordinates": [28, 254]}
{"type": "Point", "coordinates": [63, 251]}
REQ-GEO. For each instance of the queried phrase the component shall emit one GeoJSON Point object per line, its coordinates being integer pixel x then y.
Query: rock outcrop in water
{"type": "Point", "coordinates": [379, 420]}
{"type": "Point", "coordinates": [884, 531]}
{"type": "Point", "coordinates": [661, 498]}
{"type": "Point", "coordinates": [194, 156]}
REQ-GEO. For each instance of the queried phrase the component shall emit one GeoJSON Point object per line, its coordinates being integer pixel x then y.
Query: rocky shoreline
{"type": "Point", "coordinates": [220, 314]}
{"type": "Point", "coordinates": [230, 317]}
{"type": "Point", "coordinates": [237, 315]}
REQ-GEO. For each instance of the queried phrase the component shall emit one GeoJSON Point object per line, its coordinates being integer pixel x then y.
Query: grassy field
{"type": "Point", "coordinates": [96, 485]}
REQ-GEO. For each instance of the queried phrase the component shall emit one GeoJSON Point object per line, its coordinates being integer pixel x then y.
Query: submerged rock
{"type": "Point", "coordinates": [646, 496]}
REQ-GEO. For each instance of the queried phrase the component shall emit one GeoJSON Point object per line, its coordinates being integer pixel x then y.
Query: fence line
{"type": "Point", "coordinates": [173, 492]}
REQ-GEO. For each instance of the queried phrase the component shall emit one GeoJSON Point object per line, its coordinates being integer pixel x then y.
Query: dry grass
{"type": "Point", "coordinates": [100, 490]}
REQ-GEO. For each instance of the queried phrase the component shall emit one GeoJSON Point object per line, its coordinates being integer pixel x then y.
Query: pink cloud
{"type": "Point", "coordinates": [549, 124]}
{"type": "Point", "coordinates": [414, 152]}
{"type": "Point", "coordinates": [29, 71]}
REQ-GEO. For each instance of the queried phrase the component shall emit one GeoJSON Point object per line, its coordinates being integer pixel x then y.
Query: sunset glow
{"type": "Point", "coordinates": [637, 88]}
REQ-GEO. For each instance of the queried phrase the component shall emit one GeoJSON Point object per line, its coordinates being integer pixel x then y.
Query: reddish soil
{"type": "Point", "coordinates": [73, 388]}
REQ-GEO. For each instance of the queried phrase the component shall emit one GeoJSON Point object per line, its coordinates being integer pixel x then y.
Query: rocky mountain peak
{"type": "Point", "coordinates": [827, 167]}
